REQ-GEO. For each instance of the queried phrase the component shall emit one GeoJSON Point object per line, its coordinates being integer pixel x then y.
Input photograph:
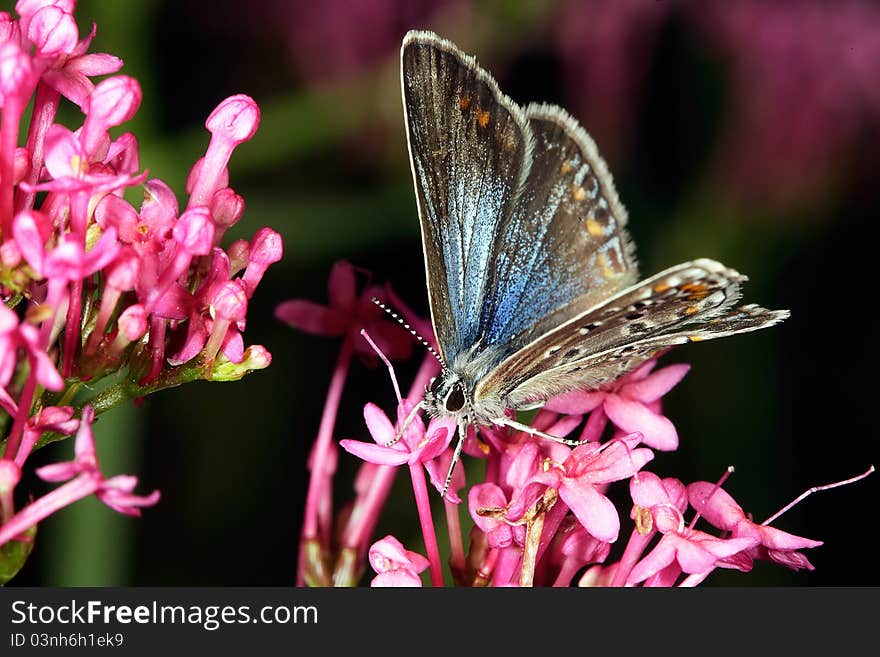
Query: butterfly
{"type": "Point", "coordinates": [532, 278]}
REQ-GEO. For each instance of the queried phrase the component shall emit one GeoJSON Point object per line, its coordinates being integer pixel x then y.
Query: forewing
{"type": "Point", "coordinates": [564, 247]}
{"type": "Point", "coordinates": [687, 303]}
{"type": "Point", "coordinates": [469, 150]}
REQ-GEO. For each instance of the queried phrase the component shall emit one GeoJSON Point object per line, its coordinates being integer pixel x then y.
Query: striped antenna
{"type": "Point", "coordinates": [409, 328]}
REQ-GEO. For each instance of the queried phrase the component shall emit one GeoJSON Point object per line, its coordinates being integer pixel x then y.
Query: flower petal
{"type": "Point", "coordinates": [388, 554]}
{"type": "Point", "coordinates": [486, 496]}
{"type": "Point", "coordinates": [646, 489]}
{"type": "Point", "coordinates": [401, 578]}
{"type": "Point", "coordinates": [656, 560]}
{"type": "Point", "coordinates": [342, 286]}
{"type": "Point", "coordinates": [434, 443]}
{"type": "Point", "coordinates": [311, 317]}
{"type": "Point", "coordinates": [594, 511]}
{"type": "Point", "coordinates": [715, 505]}
{"type": "Point", "coordinates": [632, 416]}
{"type": "Point", "coordinates": [576, 402]}
{"type": "Point", "coordinates": [374, 453]}
{"type": "Point", "coordinates": [438, 469]}
{"type": "Point", "coordinates": [778, 540]}
{"type": "Point", "coordinates": [379, 425]}
{"type": "Point", "coordinates": [656, 385]}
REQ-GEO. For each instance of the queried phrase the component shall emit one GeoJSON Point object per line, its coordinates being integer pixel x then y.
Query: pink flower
{"type": "Point", "coordinates": [395, 565]}
{"type": "Point", "coordinates": [721, 511]}
{"type": "Point", "coordinates": [68, 72]}
{"type": "Point", "coordinates": [233, 121]}
{"type": "Point", "coordinates": [83, 478]}
{"type": "Point", "coordinates": [265, 249]}
{"type": "Point", "coordinates": [51, 418]}
{"type": "Point", "coordinates": [499, 532]}
{"type": "Point", "coordinates": [14, 335]}
{"type": "Point", "coordinates": [52, 30]}
{"type": "Point", "coordinates": [799, 102]}
{"type": "Point", "coordinates": [605, 48]}
{"type": "Point", "coordinates": [438, 468]}
{"type": "Point", "coordinates": [192, 235]}
{"type": "Point", "coordinates": [67, 161]}
{"type": "Point", "coordinates": [632, 403]}
{"type": "Point", "coordinates": [417, 445]}
{"type": "Point", "coordinates": [16, 73]}
{"type": "Point", "coordinates": [681, 549]}
{"type": "Point", "coordinates": [80, 258]}
{"type": "Point", "coordinates": [583, 475]}
{"type": "Point", "coordinates": [113, 102]}
{"type": "Point", "coordinates": [649, 491]}
{"type": "Point", "coordinates": [348, 313]}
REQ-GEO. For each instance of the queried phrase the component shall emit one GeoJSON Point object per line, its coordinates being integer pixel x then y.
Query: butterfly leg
{"type": "Point", "coordinates": [519, 426]}
{"type": "Point", "coordinates": [462, 433]}
{"type": "Point", "coordinates": [406, 422]}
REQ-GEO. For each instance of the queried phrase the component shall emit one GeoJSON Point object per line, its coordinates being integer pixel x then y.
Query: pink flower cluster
{"type": "Point", "coordinates": [542, 512]}
{"type": "Point", "coordinates": [93, 285]}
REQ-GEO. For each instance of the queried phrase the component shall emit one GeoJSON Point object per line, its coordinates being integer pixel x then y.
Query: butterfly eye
{"type": "Point", "coordinates": [455, 399]}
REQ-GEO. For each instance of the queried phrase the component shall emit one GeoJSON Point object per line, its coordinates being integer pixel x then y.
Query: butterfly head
{"type": "Point", "coordinates": [447, 396]}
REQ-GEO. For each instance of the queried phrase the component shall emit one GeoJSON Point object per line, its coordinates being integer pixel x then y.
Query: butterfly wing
{"type": "Point", "coordinates": [470, 149]}
{"type": "Point", "coordinates": [687, 303]}
{"type": "Point", "coordinates": [564, 247]}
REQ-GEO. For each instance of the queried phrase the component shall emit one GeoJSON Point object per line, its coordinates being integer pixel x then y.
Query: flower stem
{"type": "Point", "coordinates": [367, 507]}
{"type": "Point", "coordinates": [484, 574]}
{"type": "Point", "coordinates": [42, 116]}
{"type": "Point", "coordinates": [73, 490]}
{"type": "Point", "coordinates": [506, 566]}
{"type": "Point", "coordinates": [456, 545]}
{"type": "Point", "coordinates": [21, 418]}
{"type": "Point", "coordinates": [319, 490]}
{"type": "Point", "coordinates": [566, 573]}
{"type": "Point", "coordinates": [693, 580]}
{"type": "Point", "coordinates": [423, 504]}
{"type": "Point", "coordinates": [8, 136]}
{"type": "Point", "coordinates": [318, 480]}
{"type": "Point", "coordinates": [634, 548]}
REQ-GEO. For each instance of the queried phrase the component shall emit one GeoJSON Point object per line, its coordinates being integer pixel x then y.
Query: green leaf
{"type": "Point", "coordinates": [14, 554]}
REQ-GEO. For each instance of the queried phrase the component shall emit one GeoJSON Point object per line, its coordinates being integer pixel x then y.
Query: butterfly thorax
{"type": "Point", "coordinates": [453, 392]}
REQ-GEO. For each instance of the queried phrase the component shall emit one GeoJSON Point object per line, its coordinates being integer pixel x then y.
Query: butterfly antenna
{"type": "Point", "coordinates": [402, 322]}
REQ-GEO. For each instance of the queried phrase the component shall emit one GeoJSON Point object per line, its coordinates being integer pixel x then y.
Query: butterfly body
{"type": "Point", "coordinates": [532, 278]}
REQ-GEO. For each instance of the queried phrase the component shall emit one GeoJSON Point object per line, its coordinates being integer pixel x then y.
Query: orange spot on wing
{"type": "Point", "coordinates": [482, 117]}
{"type": "Point", "coordinates": [565, 168]}
{"type": "Point", "coordinates": [464, 102]}
{"type": "Point", "coordinates": [607, 271]}
{"type": "Point", "coordinates": [579, 193]}
{"type": "Point", "coordinates": [661, 287]}
{"type": "Point", "coordinates": [695, 291]}
{"type": "Point", "coordinates": [594, 228]}
{"type": "Point", "coordinates": [691, 310]}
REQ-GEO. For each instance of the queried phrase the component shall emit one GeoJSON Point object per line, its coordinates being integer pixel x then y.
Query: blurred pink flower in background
{"type": "Point", "coordinates": [800, 85]}
{"type": "Point", "coordinates": [605, 48]}
{"type": "Point", "coordinates": [803, 93]}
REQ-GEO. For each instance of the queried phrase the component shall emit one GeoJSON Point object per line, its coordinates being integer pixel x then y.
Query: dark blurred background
{"type": "Point", "coordinates": [742, 131]}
